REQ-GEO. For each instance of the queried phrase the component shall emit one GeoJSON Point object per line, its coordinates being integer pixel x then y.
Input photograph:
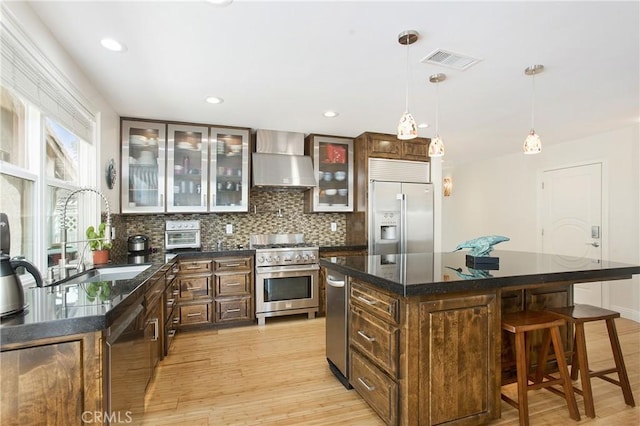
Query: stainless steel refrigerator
{"type": "Point", "coordinates": [400, 207]}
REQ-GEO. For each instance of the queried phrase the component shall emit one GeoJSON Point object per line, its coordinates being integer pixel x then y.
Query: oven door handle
{"type": "Point", "coordinates": [302, 268]}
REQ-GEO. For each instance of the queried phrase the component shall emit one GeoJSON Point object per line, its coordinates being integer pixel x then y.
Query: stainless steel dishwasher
{"type": "Point", "coordinates": [337, 325]}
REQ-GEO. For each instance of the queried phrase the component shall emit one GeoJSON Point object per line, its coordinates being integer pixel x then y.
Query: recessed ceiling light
{"type": "Point", "coordinates": [423, 125]}
{"type": "Point", "coordinates": [330, 114]}
{"type": "Point", "coordinates": [113, 45]}
{"type": "Point", "coordinates": [220, 2]}
{"type": "Point", "coordinates": [214, 100]}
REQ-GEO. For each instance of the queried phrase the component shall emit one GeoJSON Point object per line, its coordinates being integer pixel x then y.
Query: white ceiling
{"type": "Point", "coordinates": [280, 65]}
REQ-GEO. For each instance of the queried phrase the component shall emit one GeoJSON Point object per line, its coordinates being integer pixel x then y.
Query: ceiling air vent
{"type": "Point", "coordinates": [449, 59]}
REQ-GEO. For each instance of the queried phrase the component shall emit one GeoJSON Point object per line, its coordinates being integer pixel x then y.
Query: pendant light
{"type": "Point", "coordinates": [436, 146]}
{"type": "Point", "coordinates": [532, 144]}
{"type": "Point", "coordinates": [407, 128]}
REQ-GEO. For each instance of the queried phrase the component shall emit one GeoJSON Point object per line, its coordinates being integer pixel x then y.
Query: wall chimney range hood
{"type": "Point", "coordinates": [279, 161]}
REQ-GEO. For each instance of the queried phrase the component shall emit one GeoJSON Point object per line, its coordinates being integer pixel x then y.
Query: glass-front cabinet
{"type": "Point", "coordinates": [333, 165]}
{"type": "Point", "coordinates": [143, 166]}
{"type": "Point", "coordinates": [229, 182]}
{"type": "Point", "coordinates": [201, 168]}
{"type": "Point", "coordinates": [187, 168]}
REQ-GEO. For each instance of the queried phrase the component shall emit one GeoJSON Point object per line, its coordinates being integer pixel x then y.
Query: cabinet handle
{"type": "Point", "coordinates": [194, 288]}
{"type": "Point", "coordinates": [369, 388]}
{"type": "Point", "coordinates": [232, 284]}
{"type": "Point", "coordinates": [193, 267]}
{"type": "Point", "coordinates": [367, 338]}
{"type": "Point", "coordinates": [176, 320]}
{"type": "Point", "coordinates": [195, 314]}
{"type": "Point", "coordinates": [155, 328]}
{"type": "Point", "coordinates": [175, 292]}
{"type": "Point", "coordinates": [170, 302]}
{"type": "Point", "coordinates": [171, 333]}
{"type": "Point", "coordinates": [367, 301]}
{"type": "Point", "coordinates": [171, 277]}
{"type": "Point", "coordinates": [233, 310]}
{"type": "Point", "coordinates": [231, 265]}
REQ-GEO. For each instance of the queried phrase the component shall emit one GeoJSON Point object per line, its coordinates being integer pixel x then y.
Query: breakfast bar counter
{"type": "Point", "coordinates": [426, 345]}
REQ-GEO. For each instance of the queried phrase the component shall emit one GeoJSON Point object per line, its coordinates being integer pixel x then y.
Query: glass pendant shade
{"type": "Point", "coordinates": [436, 147]}
{"type": "Point", "coordinates": [532, 144]}
{"type": "Point", "coordinates": [407, 128]}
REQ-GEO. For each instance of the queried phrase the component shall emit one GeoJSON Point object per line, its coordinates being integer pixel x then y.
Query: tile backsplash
{"type": "Point", "coordinates": [275, 212]}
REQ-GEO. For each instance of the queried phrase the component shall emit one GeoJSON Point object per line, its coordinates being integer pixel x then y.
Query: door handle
{"type": "Point", "coordinates": [595, 244]}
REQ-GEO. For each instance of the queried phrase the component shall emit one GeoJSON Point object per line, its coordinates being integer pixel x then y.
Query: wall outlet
{"type": "Point", "coordinates": [229, 228]}
{"type": "Point", "coordinates": [334, 227]}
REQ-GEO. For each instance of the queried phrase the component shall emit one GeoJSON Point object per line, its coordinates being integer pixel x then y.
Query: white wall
{"type": "Point", "coordinates": [108, 119]}
{"type": "Point", "coordinates": [500, 196]}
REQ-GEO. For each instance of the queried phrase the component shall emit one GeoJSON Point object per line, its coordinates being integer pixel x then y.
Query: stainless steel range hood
{"type": "Point", "coordinates": [279, 161]}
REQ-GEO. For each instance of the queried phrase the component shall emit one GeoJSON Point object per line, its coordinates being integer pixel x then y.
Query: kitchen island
{"type": "Point", "coordinates": [426, 345]}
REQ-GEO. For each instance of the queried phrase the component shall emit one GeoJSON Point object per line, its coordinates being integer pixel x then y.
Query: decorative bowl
{"type": "Point", "coordinates": [340, 175]}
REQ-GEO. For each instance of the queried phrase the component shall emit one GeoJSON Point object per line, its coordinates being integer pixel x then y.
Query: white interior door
{"type": "Point", "coordinates": [572, 221]}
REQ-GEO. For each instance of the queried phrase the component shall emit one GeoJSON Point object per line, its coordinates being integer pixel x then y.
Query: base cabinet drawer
{"type": "Point", "coordinates": [195, 314]}
{"type": "Point", "coordinates": [233, 284]}
{"type": "Point", "coordinates": [194, 287]}
{"type": "Point", "coordinates": [375, 338]}
{"type": "Point", "coordinates": [375, 387]}
{"type": "Point", "coordinates": [233, 309]}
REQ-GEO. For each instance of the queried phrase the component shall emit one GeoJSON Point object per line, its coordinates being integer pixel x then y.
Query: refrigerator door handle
{"type": "Point", "coordinates": [403, 222]}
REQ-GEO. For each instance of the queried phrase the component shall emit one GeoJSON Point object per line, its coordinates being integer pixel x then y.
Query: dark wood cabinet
{"type": "Point", "coordinates": [195, 292]}
{"type": "Point", "coordinates": [51, 381]}
{"type": "Point", "coordinates": [408, 355]}
{"type": "Point", "coordinates": [389, 146]}
{"type": "Point", "coordinates": [233, 289]}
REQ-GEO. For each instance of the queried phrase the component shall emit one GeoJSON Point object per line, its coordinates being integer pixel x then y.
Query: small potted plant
{"type": "Point", "coordinates": [97, 243]}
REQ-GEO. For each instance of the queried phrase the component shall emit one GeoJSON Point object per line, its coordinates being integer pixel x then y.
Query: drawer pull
{"type": "Point", "coordinates": [233, 310]}
{"type": "Point", "coordinates": [194, 288]}
{"type": "Point", "coordinates": [194, 314]}
{"type": "Point", "coordinates": [367, 301]}
{"type": "Point", "coordinates": [231, 265]}
{"type": "Point", "coordinates": [367, 338]}
{"type": "Point", "coordinates": [170, 277]}
{"type": "Point", "coordinates": [175, 292]}
{"type": "Point", "coordinates": [176, 320]}
{"type": "Point", "coordinates": [170, 302]}
{"type": "Point", "coordinates": [232, 284]}
{"type": "Point", "coordinates": [171, 333]}
{"type": "Point", "coordinates": [369, 388]}
{"type": "Point", "coordinates": [193, 267]}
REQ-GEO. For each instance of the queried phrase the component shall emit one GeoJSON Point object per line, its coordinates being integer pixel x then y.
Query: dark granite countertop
{"type": "Point", "coordinates": [65, 309]}
{"type": "Point", "coordinates": [442, 273]}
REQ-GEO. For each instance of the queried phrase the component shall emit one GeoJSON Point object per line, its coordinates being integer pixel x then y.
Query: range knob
{"type": "Point", "coordinates": [261, 259]}
{"type": "Point", "coordinates": [312, 257]}
{"type": "Point", "coordinates": [297, 258]}
{"type": "Point", "coordinates": [269, 259]}
{"type": "Point", "coordinates": [276, 259]}
{"type": "Point", "coordinates": [305, 257]}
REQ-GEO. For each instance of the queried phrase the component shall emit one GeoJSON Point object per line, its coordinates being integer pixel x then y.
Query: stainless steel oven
{"type": "Point", "coordinates": [286, 276]}
{"type": "Point", "coordinates": [180, 234]}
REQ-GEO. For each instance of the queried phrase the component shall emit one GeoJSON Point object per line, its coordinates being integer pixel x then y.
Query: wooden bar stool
{"type": "Point", "coordinates": [578, 315]}
{"type": "Point", "coordinates": [519, 323]}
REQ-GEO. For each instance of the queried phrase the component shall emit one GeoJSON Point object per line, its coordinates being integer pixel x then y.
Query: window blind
{"type": "Point", "coordinates": [41, 84]}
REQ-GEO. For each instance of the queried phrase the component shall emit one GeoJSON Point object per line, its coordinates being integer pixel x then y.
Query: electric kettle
{"type": "Point", "coordinates": [11, 292]}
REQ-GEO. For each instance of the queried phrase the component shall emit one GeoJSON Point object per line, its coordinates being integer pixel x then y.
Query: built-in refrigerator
{"type": "Point", "coordinates": [400, 207]}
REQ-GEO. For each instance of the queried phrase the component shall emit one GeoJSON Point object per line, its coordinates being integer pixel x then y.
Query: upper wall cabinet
{"type": "Point", "coordinates": [388, 146]}
{"type": "Point", "coordinates": [142, 185]}
{"type": "Point", "coordinates": [199, 168]}
{"type": "Point", "coordinates": [187, 168]}
{"type": "Point", "coordinates": [229, 183]}
{"type": "Point", "coordinates": [333, 165]}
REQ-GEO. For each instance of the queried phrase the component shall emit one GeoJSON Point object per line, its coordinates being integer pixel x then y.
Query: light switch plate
{"type": "Point", "coordinates": [229, 228]}
{"type": "Point", "coordinates": [334, 227]}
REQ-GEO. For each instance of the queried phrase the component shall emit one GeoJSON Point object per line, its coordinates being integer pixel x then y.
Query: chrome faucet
{"type": "Point", "coordinates": [62, 263]}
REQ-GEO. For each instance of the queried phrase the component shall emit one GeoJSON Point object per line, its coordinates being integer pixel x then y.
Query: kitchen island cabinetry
{"type": "Point", "coordinates": [425, 335]}
{"type": "Point", "coordinates": [51, 381]}
{"type": "Point", "coordinates": [333, 166]}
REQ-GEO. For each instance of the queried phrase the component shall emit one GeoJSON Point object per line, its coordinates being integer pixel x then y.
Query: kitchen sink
{"type": "Point", "coordinates": [109, 273]}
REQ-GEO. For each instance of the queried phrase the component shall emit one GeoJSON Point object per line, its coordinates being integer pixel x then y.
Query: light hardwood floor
{"type": "Point", "coordinates": [278, 375]}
